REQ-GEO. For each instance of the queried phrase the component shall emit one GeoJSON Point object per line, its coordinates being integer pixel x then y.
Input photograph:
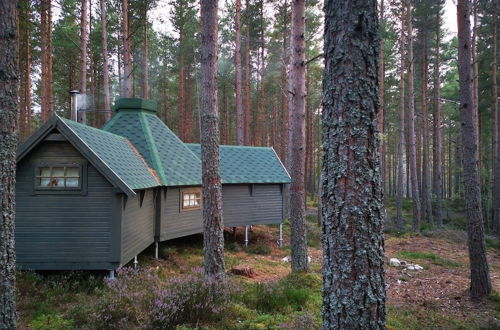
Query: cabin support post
{"type": "Point", "coordinates": [280, 240]}
{"type": "Point", "coordinates": [156, 250]}
{"type": "Point", "coordinates": [136, 262]}
{"type": "Point", "coordinates": [111, 275]}
{"type": "Point", "coordinates": [246, 236]}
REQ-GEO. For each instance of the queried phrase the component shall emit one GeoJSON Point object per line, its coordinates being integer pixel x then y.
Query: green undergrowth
{"type": "Point", "coordinates": [416, 318]}
{"type": "Point", "coordinates": [428, 256]}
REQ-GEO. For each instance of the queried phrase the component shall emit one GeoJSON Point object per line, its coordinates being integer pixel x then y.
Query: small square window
{"type": "Point", "coordinates": [58, 177]}
{"type": "Point", "coordinates": [190, 199]}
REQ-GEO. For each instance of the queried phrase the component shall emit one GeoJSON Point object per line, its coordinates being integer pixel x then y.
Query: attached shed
{"type": "Point", "coordinates": [83, 199]}
{"type": "Point", "coordinates": [253, 179]}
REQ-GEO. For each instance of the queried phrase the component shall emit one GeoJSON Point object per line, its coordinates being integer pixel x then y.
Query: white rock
{"type": "Point", "coordinates": [286, 259]}
{"type": "Point", "coordinates": [415, 267]}
{"type": "Point", "coordinates": [394, 262]}
{"type": "Point", "coordinates": [309, 259]}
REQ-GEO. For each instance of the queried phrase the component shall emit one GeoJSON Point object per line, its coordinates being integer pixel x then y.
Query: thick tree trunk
{"type": "Point", "coordinates": [213, 225]}
{"type": "Point", "coordinates": [401, 130]}
{"type": "Point", "coordinates": [248, 74]}
{"type": "Point", "coordinates": [426, 172]}
{"type": "Point", "coordinates": [240, 119]}
{"type": "Point", "coordinates": [480, 278]}
{"type": "Point", "coordinates": [82, 115]}
{"type": "Point", "coordinates": [437, 153]}
{"type": "Point", "coordinates": [381, 110]}
{"type": "Point", "coordinates": [353, 243]}
{"type": "Point", "coordinates": [417, 214]}
{"type": "Point", "coordinates": [297, 163]}
{"type": "Point", "coordinates": [8, 145]}
{"type": "Point", "coordinates": [127, 60]}
{"type": "Point", "coordinates": [105, 64]}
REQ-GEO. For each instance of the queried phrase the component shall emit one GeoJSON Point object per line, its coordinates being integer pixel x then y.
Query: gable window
{"type": "Point", "coordinates": [190, 199]}
{"type": "Point", "coordinates": [58, 177]}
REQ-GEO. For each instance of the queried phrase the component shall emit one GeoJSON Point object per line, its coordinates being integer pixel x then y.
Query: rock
{"type": "Point", "coordinates": [286, 259]}
{"type": "Point", "coordinates": [243, 270]}
{"type": "Point", "coordinates": [309, 259]}
{"type": "Point", "coordinates": [394, 262]}
{"type": "Point", "coordinates": [415, 267]}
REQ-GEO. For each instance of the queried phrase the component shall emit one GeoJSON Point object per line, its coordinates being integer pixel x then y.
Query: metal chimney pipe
{"type": "Point", "coordinates": [74, 104]}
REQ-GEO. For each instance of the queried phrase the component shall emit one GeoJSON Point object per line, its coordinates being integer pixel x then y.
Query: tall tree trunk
{"type": "Point", "coordinates": [426, 172]}
{"type": "Point", "coordinates": [475, 76]}
{"type": "Point", "coordinates": [437, 153]}
{"type": "Point", "coordinates": [145, 62]}
{"type": "Point", "coordinates": [381, 110]}
{"type": "Point", "coordinates": [105, 64]}
{"type": "Point", "coordinates": [8, 146]}
{"type": "Point", "coordinates": [495, 129]}
{"type": "Point", "coordinates": [127, 56]}
{"type": "Point", "coordinates": [82, 115]}
{"type": "Point", "coordinates": [297, 164]}
{"type": "Point", "coordinates": [248, 74]}
{"type": "Point", "coordinates": [480, 278]}
{"type": "Point", "coordinates": [353, 243]}
{"type": "Point", "coordinates": [46, 59]}
{"type": "Point", "coordinates": [188, 112]}
{"type": "Point", "coordinates": [417, 214]}
{"type": "Point", "coordinates": [213, 225]}
{"type": "Point", "coordinates": [240, 120]}
{"type": "Point", "coordinates": [182, 98]}
{"type": "Point", "coordinates": [401, 130]}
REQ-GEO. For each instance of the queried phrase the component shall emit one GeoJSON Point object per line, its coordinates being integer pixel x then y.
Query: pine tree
{"type": "Point", "coordinates": [480, 278]}
{"type": "Point", "coordinates": [8, 146]}
{"type": "Point", "coordinates": [353, 244]}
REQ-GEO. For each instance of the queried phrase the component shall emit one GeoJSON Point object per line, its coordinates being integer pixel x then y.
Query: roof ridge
{"type": "Point", "coordinates": [233, 146]}
{"type": "Point", "coordinates": [152, 146]}
{"type": "Point", "coordinates": [72, 122]}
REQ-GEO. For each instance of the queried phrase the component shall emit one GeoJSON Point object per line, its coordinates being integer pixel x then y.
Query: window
{"type": "Point", "coordinates": [58, 177]}
{"type": "Point", "coordinates": [190, 199]}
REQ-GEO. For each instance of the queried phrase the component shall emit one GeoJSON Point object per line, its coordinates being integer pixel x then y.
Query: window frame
{"type": "Point", "coordinates": [82, 182]}
{"type": "Point", "coordinates": [187, 191]}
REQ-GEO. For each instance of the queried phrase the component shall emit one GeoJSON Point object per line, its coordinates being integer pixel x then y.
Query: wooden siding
{"type": "Point", "coordinates": [63, 231]}
{"type": "Point", "coordinates": [138, 225]}
{"type": "Point", "coordinates": [241, 208]}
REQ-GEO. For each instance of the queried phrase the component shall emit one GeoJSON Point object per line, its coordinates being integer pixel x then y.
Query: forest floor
{"type": "Point", "coordinates": [433, 298]}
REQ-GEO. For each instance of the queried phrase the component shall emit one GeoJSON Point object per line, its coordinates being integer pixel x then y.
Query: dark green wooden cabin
{"type": "Point", "coordinates": [90, 198]}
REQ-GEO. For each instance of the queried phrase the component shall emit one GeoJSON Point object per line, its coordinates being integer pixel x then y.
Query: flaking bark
{"type": "Point", "coordinates": [353, 244]}
{"type": "Point", "coordinates": [8, 144]}
{"type": "Point", "coordinates": [480, 278]}
{"type": "Point", "coordinates": [213, 225]}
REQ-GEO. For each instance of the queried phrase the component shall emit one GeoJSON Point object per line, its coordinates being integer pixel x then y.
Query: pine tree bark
{"type": "Point", "coordinates": [213, 224]}
{"type": "Point", "coordinates": [480, 279]}
{"type": "Point", "coordinates": [9, 76]}
{"type": "Point", "coordinates": [426, 172]}
{"type": "Point", "coordinates": [248, 74]}
{"type": "Point", "coordinates": [105, 61]}
{"type": "Point", "coordinates": [46, 59]}
{"type": "Point", "coordinates": [381, 110]}
{"type": "Point", "coordinates": [297, 163]}
{"type": "Point", "coordinates": [437, 152]}
{"type": "Point", "coordinates": [417, 214]}
{"type": "Point", "coordinates": [240, 119]}
{"type": "Point", "coordinates": [401, 130]}
{"type": "Point", "coordinates": [82, 115]}
{"type": "Point", "coordinates": [145, 62]}
{"type": "Point", "coordinates": [496, 127]}
{"type": "Point", "coordinates": [353, 243]}
{"type": "Point", "coordinates": [127, 59]}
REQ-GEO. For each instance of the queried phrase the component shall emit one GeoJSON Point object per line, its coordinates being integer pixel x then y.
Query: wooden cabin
{"type": "Point", "coordinates": [90, 198]}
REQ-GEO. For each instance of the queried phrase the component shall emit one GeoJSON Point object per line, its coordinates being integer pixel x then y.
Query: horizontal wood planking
{"type": "Point", "coordinates": [62, 229]}
{"type": "Point", "coordinates": [175, 223]}
{"type": "Point", "coordinates": [138, 225]}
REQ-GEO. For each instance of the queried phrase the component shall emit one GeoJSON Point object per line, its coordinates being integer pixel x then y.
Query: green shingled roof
{"type": "Point", "coordinates": [242, 164]}
{"type": "Point", "coordinates": [117, 153]}
{"type": "Point", "coordinates": [136, 120]}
